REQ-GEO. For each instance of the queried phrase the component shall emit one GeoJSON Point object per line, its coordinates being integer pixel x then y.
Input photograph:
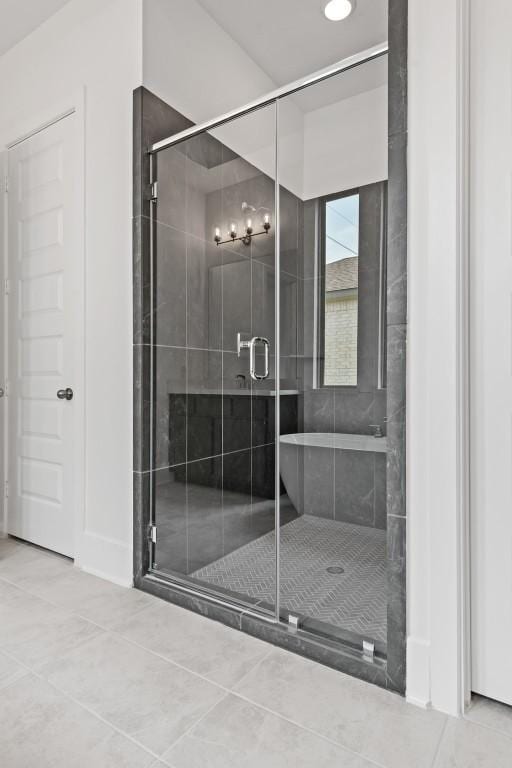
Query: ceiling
{"type": "Point", "coordinates": [286, 38]}
{"type": "Point", "coordinates": [292, 38]}
{"type": "Point", "coordinates": [21, 17]}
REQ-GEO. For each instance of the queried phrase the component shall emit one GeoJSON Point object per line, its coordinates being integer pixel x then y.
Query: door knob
{"type": "Point", "coordinates": [65, 394]}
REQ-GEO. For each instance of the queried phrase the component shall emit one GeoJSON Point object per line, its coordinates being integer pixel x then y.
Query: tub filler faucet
{"type": "Point", "coordinates": [377, 430]}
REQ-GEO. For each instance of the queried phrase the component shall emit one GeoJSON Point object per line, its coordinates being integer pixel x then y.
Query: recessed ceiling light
{"type": "Point", "coordinates": [336, 10]}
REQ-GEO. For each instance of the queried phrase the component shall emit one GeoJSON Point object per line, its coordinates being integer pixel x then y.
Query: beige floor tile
{"type": "Point", "coordinates": [468, 745]}
{"type": "Point", "coordinates": [46, 567]}
{"type": "Point", "coordinates": [139, 693]}
{"type": "Point", "coordinates": [7, 545]}
{"type": "Point", "coordinates": [93, 598]}
{"type": "Point", "coordinates": [236, 734]}
{"type": "Point", "coordinates": [54, 578]}
{"type": "Point", "coordinates": [375, 723]}
{"type": "Point", "coordinates": [40, 728]}
{"type": "Point", "coordinates": [36, 632]}
{"type": "Point", "coordinates": [188, 721]}
{"type": "Point", "coordinates": [9, 592]}
{"type": "Point", "coordinates": [492, 714]}
{"type": "Point", "coordinates": [16, 559]}
{"type": "Point", "coordinates": [10, 671]}
{"type": "Point", "coordinates": [221, 654]}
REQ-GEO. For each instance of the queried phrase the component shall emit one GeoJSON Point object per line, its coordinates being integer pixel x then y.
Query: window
{"type": "Point", "coordinates": [339, 299]}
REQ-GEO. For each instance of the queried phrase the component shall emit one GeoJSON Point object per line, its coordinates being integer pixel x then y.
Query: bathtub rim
{"type": "Point", "coordinates": [343, 441]}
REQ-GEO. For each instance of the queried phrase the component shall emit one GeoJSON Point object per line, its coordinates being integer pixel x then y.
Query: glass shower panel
{"type": "Point", "coordinates": [332, 167]}
{"type": "Point", "coordinates": [213, 349]}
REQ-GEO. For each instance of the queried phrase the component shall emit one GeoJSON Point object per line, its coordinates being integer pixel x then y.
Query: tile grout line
{"type": "Point", "coordinates": [302, 727]}
{"type": "Point", "coordinates": [225, 690]}
{"type": "Point", "coordinates": [83, 707]}
{"type": "Point", "coordinates": [70, 611]}
{"type": "Point", "coordinates": [233, 692]}
{"type": "Point", "coordinates": [116, 633]}
{"type": "Point", "coordinates": [24, 672]}
{"type": "Point", "coordinates": [113, 631]}
{"type": "Point", "coordinates": [241, 696]}
{"type": "Point", "coordinates": [241, 256]}
{"type": "Point", "coordinates": [439, 743]}
{"type": "Point", "coordinates": [487, 727]}
{"type": "Point", "coordinates": [191, 728]}
{"type": "Point", "coordinates": [254, 667]}
{"type": "Point", "coordinates": [203, 458]}
{"type": "Point", "coordinates": [135, 644]}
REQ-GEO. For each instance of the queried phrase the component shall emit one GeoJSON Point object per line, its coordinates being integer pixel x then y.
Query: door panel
{"type": "Point", "coordinates": [43, 264]}
{"type": "Point", "coordinates": [213, 446]}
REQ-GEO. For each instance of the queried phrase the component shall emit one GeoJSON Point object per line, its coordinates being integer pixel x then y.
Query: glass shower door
{"type": "Point", "coordinates": [213, 353]}
{"type": "Point", "coordinates": [332, 166]}
{"type": "Point", "coordinates": [268, 338]}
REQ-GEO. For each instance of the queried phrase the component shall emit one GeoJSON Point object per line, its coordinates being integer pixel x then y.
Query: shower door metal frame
{"type": "Point", "coordinates": [350, 62]}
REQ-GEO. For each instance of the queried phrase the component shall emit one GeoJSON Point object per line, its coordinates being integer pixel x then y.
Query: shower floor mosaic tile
{"type": "Point", "coordinates": [353, 599]}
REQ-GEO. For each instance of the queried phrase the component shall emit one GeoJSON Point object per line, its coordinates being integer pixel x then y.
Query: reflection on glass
{"type": "Point", "coordinates": [332, 155]}
{"type": "Point", "coordinates": [214, 435]}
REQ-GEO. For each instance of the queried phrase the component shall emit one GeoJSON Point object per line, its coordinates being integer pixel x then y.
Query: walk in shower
{"type": "Point", "coordinates": [262, 364]}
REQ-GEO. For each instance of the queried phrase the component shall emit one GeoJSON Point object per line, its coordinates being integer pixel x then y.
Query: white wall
{"type": "Point", "coordinates": [190, 62]}
{"type": "Point", "coordinates": [3, 400]}
{"type": "Point", "coordinates": [92, 49]}
{"type": "Point", "coordinates": [193, 64]}
{"type": "Point", "coordinates": [347, 141]}
{"type": "Point", "coordinates": [434, 598]}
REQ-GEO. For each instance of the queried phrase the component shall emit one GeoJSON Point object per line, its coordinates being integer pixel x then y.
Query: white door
{"type": "Point", "coordinates": [491, 348]}
{"type": "Point", "coordinates": [44, 336]}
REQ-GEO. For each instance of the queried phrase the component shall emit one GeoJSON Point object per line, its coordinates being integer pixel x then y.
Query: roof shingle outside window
{"type": "Point", "coordinates": [341, 275]}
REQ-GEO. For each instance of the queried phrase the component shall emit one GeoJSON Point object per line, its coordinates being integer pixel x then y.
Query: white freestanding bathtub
{"type": "Point", "coordinates": [308, 463]}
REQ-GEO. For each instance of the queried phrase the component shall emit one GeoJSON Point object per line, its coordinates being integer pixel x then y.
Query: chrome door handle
{"type": "Point", "coordinates": [2, 392]}
{"type": "Point", "coordinates": [252, 363]}
{"type": "Point", "coordinates": [65, 394]}
{"type": "Point", "coordinates": [251, 346]}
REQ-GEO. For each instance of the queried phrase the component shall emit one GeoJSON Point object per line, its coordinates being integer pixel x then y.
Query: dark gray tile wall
{"type": "Point", "coordinates": [153, 119]}
{"type": "Point", "coordinates": [397, 343]}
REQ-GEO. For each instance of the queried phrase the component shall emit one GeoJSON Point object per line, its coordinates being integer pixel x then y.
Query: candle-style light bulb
{"type": "Point", "coordinates": [217, 236]}
{"type": "Point", "coordinates": [232, 231]}
{"type": "Point", "coordinates": [248, 227]}
{"type": "Point", "coordinates": [266, 222]}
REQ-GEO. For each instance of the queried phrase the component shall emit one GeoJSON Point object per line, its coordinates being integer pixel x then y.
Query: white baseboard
{"type": "Point", "coordinates": [418, 672]}
{"type": "Point", "coordinates": [107, 558]}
